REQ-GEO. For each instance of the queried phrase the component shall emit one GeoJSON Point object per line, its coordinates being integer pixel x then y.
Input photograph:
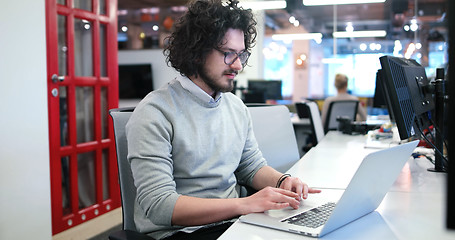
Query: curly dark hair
{"type": "Point", "coordinates": [202, 28]}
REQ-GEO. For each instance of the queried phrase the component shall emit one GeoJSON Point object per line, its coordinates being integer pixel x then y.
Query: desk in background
{"type": "Point", "coordinates": [414, 208]}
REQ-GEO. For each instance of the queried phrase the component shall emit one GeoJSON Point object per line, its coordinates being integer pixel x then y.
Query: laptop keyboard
{"type": "Point", "coordinates": [312, 218]}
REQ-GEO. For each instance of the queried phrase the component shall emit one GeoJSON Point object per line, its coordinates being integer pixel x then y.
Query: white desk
{"type": "Point", "coordinates": [414, 208]}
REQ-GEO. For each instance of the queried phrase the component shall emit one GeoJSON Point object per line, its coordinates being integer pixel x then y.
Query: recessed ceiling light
{"type": "Point", "coordinates": [338, 2]}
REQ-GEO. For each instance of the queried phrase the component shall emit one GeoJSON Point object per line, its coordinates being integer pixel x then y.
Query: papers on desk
{"type": "Point", "coordinates": [380, 140]}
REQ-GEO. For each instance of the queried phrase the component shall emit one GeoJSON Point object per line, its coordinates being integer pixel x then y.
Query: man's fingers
{"type": "Point", "coordinates": [286, 192]}
{"type": "Point", "coordinates": [305, 191]}
{"type": "Point", "coordinates": [312, 190]}
{"type": "Point", "coordinates": [286, 196]}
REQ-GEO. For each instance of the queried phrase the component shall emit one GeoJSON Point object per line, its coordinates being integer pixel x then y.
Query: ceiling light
{"type": "Point", "coordinates": [152, 10]}
{"type": "Point", "coordinates": [397, 48]}
{"type": "Point", "coordinates": [338, 2]}
{"type": "Point", "coordinates": [410, 50]}
{"type": "Point", "coordinates": [414, 27]}
{"type": "Point", "coordinates": [372, 46]}
{"type": "Point", "coordinates": [297, 36]}
{"type": "Point", "coordinates": [179, 8]}
{"type": "Point", "coordinates": [263, 5]}
{"type": "Point", "coordinates": [358, 34]}
{"type": "Point", "coordinates": [122, 12]}
{"type": "Point", "coordinates": [296, 23]}
{"type": "Point", "coordinates": [349, 27]}
{"type": "Point", "coordinates": [292, 19]}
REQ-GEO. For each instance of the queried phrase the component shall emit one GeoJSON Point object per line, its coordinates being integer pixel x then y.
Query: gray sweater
{"type": "Point", "coordinates": [179, 143]}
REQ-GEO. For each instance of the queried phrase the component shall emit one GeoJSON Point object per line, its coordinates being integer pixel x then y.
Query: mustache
{"type": "Point", "coordinates": [231, 71]}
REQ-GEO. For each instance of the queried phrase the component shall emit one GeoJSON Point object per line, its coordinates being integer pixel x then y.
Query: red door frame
{"type": "Point", "coordinates": [62, 221]}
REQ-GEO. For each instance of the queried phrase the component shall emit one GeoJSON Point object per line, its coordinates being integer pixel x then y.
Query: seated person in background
{"type": "Point", "coordinates": [341, 84]}
{"type": "Point", "coordinates": [191, 143]}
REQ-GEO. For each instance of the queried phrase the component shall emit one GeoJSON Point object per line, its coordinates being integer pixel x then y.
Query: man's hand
{"type": "Point", "coordinates": [289, 193]}
{"type": "Point", "coordinates": [270, 198]}
{"type": "Point", "coordinates": [297, 186]}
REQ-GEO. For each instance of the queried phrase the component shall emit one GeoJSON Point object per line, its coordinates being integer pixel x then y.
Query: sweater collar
{"type": "Point", "coordinates": [197, 91]}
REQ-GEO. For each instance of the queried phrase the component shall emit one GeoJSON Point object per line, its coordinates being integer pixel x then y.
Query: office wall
{"type": "Point", "coordinates": [300, 73]}
{"type": "Point", "coordinates": [24, 145]}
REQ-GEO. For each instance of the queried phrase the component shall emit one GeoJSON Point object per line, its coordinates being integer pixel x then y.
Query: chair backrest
{"type": "Point", "coordinates": [345, 108]}
{"type": "Point", "coordinates": [120, 117]}
{"type": "Point", "coordinates": [309, 109]}
{"type": "Point", "coordinates": [275, 135]}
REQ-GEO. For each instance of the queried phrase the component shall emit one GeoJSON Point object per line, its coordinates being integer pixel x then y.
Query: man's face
{"type": "Point", "coordinates": [215, 74]}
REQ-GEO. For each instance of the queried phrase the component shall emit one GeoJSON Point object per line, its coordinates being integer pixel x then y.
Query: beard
{"type": "Point", "coordinates": [216, 82]}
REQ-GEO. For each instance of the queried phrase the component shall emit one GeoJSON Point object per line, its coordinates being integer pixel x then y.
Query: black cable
{"type": "Point", "coordinates": [438, 131]}
{"type": "Point", "coordinates": [418, 155]}
{"type": "Point", "coordinates": [445, 161]}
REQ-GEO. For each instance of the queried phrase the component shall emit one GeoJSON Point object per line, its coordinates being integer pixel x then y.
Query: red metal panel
{"type": "Point", "coordinates": [60, 220]}
{"type": "Point", "coordinates": [52, 62]}
{"type": "Point", "coordinates": [112, 70]}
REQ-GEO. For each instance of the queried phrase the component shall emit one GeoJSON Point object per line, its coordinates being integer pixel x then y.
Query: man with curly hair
{"type": "Point", "coordinates": [191, 143]}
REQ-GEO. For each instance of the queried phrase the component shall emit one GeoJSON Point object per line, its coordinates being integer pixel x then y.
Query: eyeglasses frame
{"type": "Point", "coordinates": [236, 57]}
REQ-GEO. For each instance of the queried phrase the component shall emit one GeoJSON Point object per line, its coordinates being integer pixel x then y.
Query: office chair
{"type": "Point", "coordinates": [275, 135]}
{"type": "Point", "coordinates": [273, 130]}
{"type": "Point", "coordinates": [345, 108]}
{"type": "Point", "coordinates": [310, 110]}
{"type": "Point", "coordinates": [120, 117]}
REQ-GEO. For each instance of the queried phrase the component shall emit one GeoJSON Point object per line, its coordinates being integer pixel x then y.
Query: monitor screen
{"type": "Point", "coordinates": [135, 80]}
{"type": "Point", "coordinates": [379, 98]}
{"type": "Point", "coordinates": [409, 97]}
{"type": "Point", "coordinates": [271, 89]}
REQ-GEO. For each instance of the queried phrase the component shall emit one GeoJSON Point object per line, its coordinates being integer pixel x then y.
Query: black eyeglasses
{"type": "Point", "coordinates": [231, 57]}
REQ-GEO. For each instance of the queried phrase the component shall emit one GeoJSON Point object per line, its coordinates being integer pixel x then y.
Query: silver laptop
{"type": "Point", "coordinates": [371, 182]}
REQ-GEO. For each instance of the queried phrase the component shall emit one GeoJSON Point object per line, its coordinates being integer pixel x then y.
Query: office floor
{"type": "Point", "coordinates": [95, 229]}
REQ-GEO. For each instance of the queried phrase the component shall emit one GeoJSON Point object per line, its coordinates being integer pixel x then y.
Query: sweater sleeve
{"type": "Point", "coordinates": [149, 136]}
{"type": "Point", "coordinates": [252, 159]}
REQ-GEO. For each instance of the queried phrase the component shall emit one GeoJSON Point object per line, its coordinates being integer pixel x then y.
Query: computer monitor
{"type": "Point", "coordinates": [135, 80]}
{"type": "Point", "coordinates": [409, 94]}
{"type": "Point", "coordinates": [379, 97]}
{"type": "Point", "coordinates": [271, 89]}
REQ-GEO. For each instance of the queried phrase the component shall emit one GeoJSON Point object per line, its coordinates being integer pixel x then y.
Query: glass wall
{"type": "Point", "coordinates": [278, 64]}
{"type": "Point", "coordinates": [359, 60]}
